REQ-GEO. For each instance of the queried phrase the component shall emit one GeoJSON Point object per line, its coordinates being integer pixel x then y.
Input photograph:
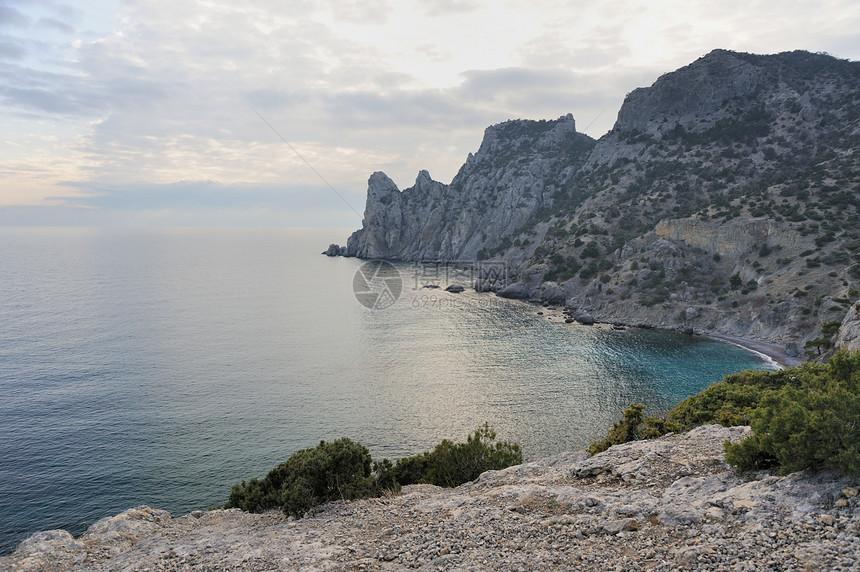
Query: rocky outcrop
{"type": "Point", "coordinates": [735, 237]}
{"type": "Point", "coordinates": [666, 504]}
{"type": "Point", "coordinates": [335, 250]}
{"type": "Point", "coordinates": [724, 199]}
{"type": "Point", "coordinates": [518, 167]}
{"type": "Point", "coordinates": [849, 332]}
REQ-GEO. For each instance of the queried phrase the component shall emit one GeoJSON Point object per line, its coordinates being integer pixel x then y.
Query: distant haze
{"type": "Point", "coordinates": [146, 112]}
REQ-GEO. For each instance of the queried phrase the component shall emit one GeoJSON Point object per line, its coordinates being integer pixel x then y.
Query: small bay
{"type": "Point", "coordinates": [160, 366]}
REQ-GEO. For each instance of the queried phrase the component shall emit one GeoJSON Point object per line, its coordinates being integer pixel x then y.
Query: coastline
{"type": "Point", "coordinates": [772, 352]}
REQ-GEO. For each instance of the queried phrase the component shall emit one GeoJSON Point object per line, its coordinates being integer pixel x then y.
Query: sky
{"type": "Point", "coordinates": [276, 112]}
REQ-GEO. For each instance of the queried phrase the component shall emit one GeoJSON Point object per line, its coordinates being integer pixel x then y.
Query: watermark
{"type": "Point", "coordinates": [378, 284]}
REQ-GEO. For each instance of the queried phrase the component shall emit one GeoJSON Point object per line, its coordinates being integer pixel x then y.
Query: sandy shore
{"type": "Point", "coordinates": [774, 352]}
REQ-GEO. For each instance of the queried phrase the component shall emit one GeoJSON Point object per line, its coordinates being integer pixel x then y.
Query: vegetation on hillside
{"type": "Point", "coordinates": [802, 417]}
{"type": "Point", "coordinates": [344, 470]}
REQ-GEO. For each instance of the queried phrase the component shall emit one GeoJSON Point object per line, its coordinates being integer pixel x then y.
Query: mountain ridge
{"type": "Point", "coordinates": [726, 199]}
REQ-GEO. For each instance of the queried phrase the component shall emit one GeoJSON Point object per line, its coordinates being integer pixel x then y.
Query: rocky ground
{"type": "Point", "coordinates": [666, 504]}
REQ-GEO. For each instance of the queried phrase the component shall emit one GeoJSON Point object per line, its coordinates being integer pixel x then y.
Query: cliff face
{"type": "Point", "coordinates": [726, 198]}
{"type": "Point", "coordinates": [518, 167]}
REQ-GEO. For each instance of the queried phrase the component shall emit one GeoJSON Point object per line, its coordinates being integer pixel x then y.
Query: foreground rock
{"type": "Point", "coordinates": [666, 504]}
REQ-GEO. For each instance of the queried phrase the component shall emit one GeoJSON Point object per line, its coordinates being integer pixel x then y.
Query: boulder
{"type": "Point", "coordinates": [624, 524]}
{"type": "Point", "coordinates": [552, 293]}
{"type": "Point", "coordinates": [335, 250]}
{"type": "Point", "coordinates": [516, 291]}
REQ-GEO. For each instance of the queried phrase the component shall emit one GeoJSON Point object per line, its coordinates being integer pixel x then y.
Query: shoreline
{"type": "Point", "coordinates": [770, 351]}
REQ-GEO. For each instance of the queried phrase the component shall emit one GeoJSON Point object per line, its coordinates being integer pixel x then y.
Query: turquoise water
{"type": "Point", "coordinates": [160, 366]}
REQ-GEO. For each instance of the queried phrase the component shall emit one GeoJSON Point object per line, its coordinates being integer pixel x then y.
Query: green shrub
{"type": "Point", "coordinates": [628, 428]}
{"type": "Point", "coordinates": [330, 471]}
{"type": "Point", "coordinates": [451, 464]}
{"type": "Point", "coordinates": [802, 417]}
{"type": "Point", "coordinates": [814, 426]}
{"type": "Point", "coordinates": [344, 469]}
{"type": "Point", "coordinates": [735, 281]}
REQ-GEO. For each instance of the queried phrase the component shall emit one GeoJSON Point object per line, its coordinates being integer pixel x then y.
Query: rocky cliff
{"type": "Point", "coordinates": [725, 199]}
{"type": "Point", "coordinates": [666, 504]}
{"type": "Point", "coordinates": [518, 167]}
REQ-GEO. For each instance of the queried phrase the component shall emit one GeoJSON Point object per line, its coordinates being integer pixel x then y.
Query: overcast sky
{"type": "Point", "coordinates": [149, 112]}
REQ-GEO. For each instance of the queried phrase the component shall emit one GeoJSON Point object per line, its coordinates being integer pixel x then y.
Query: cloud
{"type": "Point", "coordinates": [447, 8]}
{"type": "Point", "coordinates": [12, 50]}
{"type": "Point", "coordinates": [139, 96]}
{"type": "Point", "coordinates": [55, 24]}
{"type": "Point", "coordinates": [13, 17]}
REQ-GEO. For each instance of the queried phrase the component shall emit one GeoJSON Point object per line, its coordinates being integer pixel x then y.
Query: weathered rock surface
{"type": "Point", "coordinates": [518, 167]}
{"type": "Point", "coordinates": [849, 332]}
{"type": "Point", "coordinates": [666, 504]}
{"type": "Point", "coordinates": [729, 186]}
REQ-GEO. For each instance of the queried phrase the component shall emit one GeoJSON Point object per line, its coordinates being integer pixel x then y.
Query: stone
{"type": "Point", "coordinates": [552, 293]}
{"type": "Point", "coordinates": [624, 524]}
{"type": "Point", "coordinates": [335, 250]}
{"type": "Point", "coordinates": [691, 314]}
{"type": "Point", "coordinates": [517, 291]}
{"type": "Point", "coordinates": [454, 288]}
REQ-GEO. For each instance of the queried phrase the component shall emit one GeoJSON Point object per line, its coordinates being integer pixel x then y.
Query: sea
{"type": "Point", "coordinates": [160, 366]}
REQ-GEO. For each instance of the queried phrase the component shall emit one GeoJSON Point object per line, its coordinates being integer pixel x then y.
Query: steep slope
{"type": "Point", "coordinates": [515, 172]}
{"type": "Point", "coordinates": [725, 199]}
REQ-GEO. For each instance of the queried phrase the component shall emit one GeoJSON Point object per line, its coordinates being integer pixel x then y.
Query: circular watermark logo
{"type": "Point", "coordinates": [377, 284]}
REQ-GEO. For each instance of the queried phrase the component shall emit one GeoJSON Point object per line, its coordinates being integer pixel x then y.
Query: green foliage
{"type": "Point", "coordinates": [330, 471]}
{"type": "Point", "coordinates": [830, 329]}
{"type": "Point", "coordinates": [628, 428]}
{"type": "Point", "coordinates": [589, 271]}
{"type": "Point", "coordinates": [735, 281]}
{"type": "Point", "coordinates": [590, 251]}
{"type": "Point", "coordinates": [813, 426]}
{"type": "Point", "coordinates": [825, 341]}
{"type": "Point", "coordinates": [451, 464]}
{"type": "Point", "coordinates": [344, 469]}
{"type": "Point", "coordinates": [802, 417]}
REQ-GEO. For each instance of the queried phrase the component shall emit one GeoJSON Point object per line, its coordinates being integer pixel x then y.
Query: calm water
{"type": "Point", "coordinates": [159, 367]}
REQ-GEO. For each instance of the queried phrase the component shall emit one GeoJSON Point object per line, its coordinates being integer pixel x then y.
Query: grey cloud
{"type": "Point", "coordinates": [13, 17]}
{"type": "Point", "coordinates": [364, 12]}
{"type": "Point", "coordinates": [447, 8]}
{"type": "Point", "coordinates": [39, 99]}
{"type": "Point", "coordinates": [405, 108]}
{"type": "Point", "coordinates": [55, 24]}
{"type": "Point", "coordinates": [66, 11]}
{"type": "Point", "coordinates": [12, 50]}
{"type": "Point", "coordinates": [273, 98]}
{"type": "Point", "coordinates": [46, 92]}
{"type": "Point", "coordinates": [488, 84]}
